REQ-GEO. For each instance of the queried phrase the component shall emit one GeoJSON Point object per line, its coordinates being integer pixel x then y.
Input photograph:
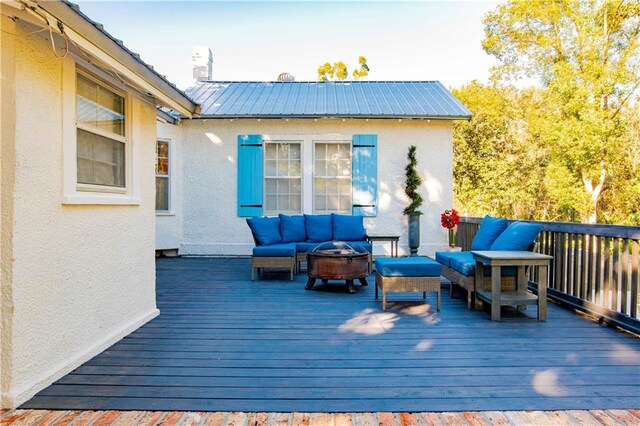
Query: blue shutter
{"type": "Point", "coordinates": [250, 175]}
{"type": "Point", "coordinates": [364, 173]}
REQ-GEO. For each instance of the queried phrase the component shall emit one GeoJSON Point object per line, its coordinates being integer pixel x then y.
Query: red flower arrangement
{"type": "Point", "coordinates": [449, 219]}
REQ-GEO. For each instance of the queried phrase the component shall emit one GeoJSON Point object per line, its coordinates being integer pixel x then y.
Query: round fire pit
{"type": "Point", "coordinates": [337, 261]}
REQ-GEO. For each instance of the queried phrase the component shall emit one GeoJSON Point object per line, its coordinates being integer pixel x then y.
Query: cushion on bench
{"type": "Point", "coordinates": [292, 228]}
{"type": "Point", "coordinates": [265, 230]}
{"type": "Point", "coordinates": [407, 267]}
{"type": "Point", "coordinates": [467, 267]}
{"type": "Point", "coordinates": [319, 228]}
{"type": "Point", "coordinates": [275, 250]}
{"type": "Point", "coordinates": [490, 229]}
{"type": "Point", "coordinates": [518, 236]}
{"type": "Point", "coordinates": [347, 227]}
{"type": "Point", "coordinates": [446, 257]}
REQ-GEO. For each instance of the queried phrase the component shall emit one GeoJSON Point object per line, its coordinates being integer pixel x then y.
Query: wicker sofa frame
{"type": "Point", "coordinates": [406, 284]}
{"type": "Point", "coordinates": [272, 262]}
{"type": "Point", "coordinates": [468, 283]}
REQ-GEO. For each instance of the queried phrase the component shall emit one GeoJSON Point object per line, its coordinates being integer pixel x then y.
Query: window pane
{"type": "Point", "coordinates": [162, 158]}
{"type": "Point", "coordinates": [271, 151]}
{"type": "Point", "coordinates": [100, 160]}
{"type": "Point", "coordinates": [162, 193]}
{"type": "Point", "coordinates": [270, 168]}
{"type": "Point", "coordinates": [99, 107]}
{"type": "Point", "coordinates": [295, 151]}
{"type": "Point", "coordinates": [272, 186]}
{"type": "Point", "coordinates": [271, 204]}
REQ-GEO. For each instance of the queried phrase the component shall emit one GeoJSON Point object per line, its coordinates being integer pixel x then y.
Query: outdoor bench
{"type": "Point", "coordinates": [283, 241]}
{"type": "Point", "coordinates": [407, 274]}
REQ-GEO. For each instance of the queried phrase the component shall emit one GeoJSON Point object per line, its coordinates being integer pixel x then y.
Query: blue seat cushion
{"type": "Point", "coordinates": [265, 230]}
{"type": "Point", "coordinates": [319, 228]}
{"type": "Point", "coordinates": [365, 245]}
{"type": "Point", "coordinates": [347, 227]}
{"type": "Point", "coordinates": [467, 267]}
{"type": "Point", "coordinates": [490, 229]}
{"type": "Point", "coordinates": [292, 228]}
{"type": "Point", "coordinates": [518, 236]}
{"type": "Point", "coordinates": [407, 267]}
{"type": "Point", "coordinates": [445, 257]}
{"type": "Point", "coordinates": [275, 250]}
{"type": "Point", "coordinates": [305, 246]}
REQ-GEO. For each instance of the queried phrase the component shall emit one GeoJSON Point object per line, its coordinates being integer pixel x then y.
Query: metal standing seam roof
{"type": "Point", "coordinates": [370, 99]}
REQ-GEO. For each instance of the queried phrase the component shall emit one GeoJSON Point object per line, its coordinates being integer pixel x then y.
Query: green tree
{"type": "Point", "coordinates": [587, 54]}
{"type": "Point", "coordinates": [412, 183]}
{"type": "Point", "coordinates": [338, 71]}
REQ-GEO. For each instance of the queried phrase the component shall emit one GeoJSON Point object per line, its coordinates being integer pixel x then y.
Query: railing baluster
{"type": "Point", "coordinates": [615, 275]}
{"type": "Point", "coordinates": [635, 278]}
{"type": "Point", "coordinates": [584, 266]}
{"type": "Point", "coordinates": [575, 281]}
{"type": "Point", "coordinates": [606, 290]}
{"type": "Point", "coordinates": [624, 278]}
{"type": "Point", "coordinates": [599, 283]}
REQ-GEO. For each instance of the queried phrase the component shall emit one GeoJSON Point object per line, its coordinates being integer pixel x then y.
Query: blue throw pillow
{"type": "Point", "coordinates": [266, 230]}
{"type": "Point", "coordinates": [490, 230]}
{"type": "Point", "coordinates": [318, 228]}
{"type": "Point", "coordinates": [518, 236]}
{"type": "Point", "coordinates": [347, 228]}
{"type": "Point", "coordinates": [292, 229]}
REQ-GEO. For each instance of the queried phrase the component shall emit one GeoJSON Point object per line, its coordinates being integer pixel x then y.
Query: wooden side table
{"type": "Point", "coordinates": [393, 239]}
{"type": "Point", "coordinates": [520, 259]}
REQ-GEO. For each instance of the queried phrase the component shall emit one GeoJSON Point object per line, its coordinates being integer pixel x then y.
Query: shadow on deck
{"type": "Point", "coordinates": [223, 343]}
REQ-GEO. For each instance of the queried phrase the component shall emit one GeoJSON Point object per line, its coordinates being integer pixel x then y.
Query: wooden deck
{"type": "Point", "coordinates": [223, 343]}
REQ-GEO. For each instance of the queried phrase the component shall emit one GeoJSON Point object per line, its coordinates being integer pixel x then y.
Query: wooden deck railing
{"type": "Point", "coordinates": [595, 268]}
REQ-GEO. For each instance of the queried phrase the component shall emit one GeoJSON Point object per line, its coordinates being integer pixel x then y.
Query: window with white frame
{"type": "Point", "coordinates": [283, 177]}
{"type": "Point", "coordinates": [101, 135]}
{"type": "Point", "coordinates": [162, 176]}
{"type": "Point", "coordinates": [332, 177]}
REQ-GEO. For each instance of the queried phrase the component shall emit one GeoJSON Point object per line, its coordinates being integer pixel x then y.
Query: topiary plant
{"type": "Point", "coordinates": [413, 182]}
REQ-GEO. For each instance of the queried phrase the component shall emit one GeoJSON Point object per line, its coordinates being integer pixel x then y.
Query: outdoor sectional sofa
{"type": "Point", "coordinates": [283, 241]}
{"type": "Point", "coordinates": [493, 234]}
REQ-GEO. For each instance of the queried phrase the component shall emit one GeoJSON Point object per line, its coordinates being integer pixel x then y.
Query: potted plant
{"type": "Point", "coordinates": [412, 183]}
{"type": "Point", "coordinates": [449, 220]}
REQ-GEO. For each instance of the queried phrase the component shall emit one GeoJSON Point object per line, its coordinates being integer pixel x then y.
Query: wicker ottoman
{"type": "Point", "coordinates": [407, 274]}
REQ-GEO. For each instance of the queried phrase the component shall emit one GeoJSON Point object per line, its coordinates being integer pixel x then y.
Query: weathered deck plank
{"type": "Point", "coordinates": [223, 343]}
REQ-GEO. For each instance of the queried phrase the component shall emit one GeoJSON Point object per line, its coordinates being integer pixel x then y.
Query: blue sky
{"type": "Point", "coordinates": [259, 40]}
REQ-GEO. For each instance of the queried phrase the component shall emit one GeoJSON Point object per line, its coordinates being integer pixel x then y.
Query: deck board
{"type": "Point", "coordinates": [223, 343]}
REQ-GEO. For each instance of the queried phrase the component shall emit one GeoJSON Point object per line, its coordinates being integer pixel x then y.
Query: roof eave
{"type": "Point", "coordinates": [157, 85]}
{"type": "Point", "coordinates": [329, 116]}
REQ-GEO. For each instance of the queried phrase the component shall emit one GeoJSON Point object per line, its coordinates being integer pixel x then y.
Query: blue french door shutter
{"type": "Point", "coordinates": [250, 175]}
{"type": "Point", "coordinates": [364, 174]}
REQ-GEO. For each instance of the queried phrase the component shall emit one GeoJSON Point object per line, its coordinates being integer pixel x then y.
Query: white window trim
{"type": "Point", "coordinates": [87, 194]}
{"type": "Point", "coordinates": [307, 142]}
{"type": "Point", "coordinates": [170, 211]}
{"type": "Point", "coordinates": [265, 177]}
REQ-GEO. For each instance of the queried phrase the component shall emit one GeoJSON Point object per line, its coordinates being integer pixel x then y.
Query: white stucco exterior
{"type": "Point", "coordinates": [75, 277]}
{"type": "Point", "coordinates": [210, 225]}
{"type": "Point", "coordinates": [169, 224]}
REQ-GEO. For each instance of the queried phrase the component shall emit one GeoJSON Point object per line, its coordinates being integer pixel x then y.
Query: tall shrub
{"type": "Point", "coordinates": [412, 183]}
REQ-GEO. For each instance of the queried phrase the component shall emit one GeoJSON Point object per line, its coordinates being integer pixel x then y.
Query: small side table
{"type": "Point", "coordinates": [393, 239]}
{"type": "Point", "coordinates": [496, 260]}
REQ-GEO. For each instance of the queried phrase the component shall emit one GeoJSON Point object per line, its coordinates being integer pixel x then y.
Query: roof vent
{"type": "Point", "coordinates": [285, 76]}
{"type": "Point", "coordinates": [202, 60]}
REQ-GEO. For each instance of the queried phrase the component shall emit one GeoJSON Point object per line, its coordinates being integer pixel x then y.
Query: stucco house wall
{"type": "Point", "coordinates": [169, 224]}
{"type": "Point", "coordinates": [209, 183]}
{"type": "Point", "coordinates": [75, 278]}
